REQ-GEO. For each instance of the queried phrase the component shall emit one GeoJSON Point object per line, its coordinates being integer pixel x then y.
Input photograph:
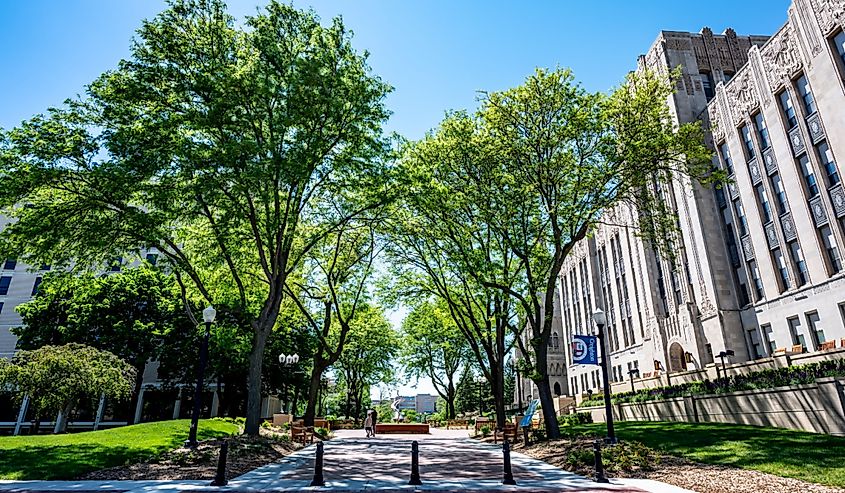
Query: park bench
{"type": "Point", "coordinates": [798, 348]}
{"type": "Point", "coordinates": [828, 345]}
{"type": "Point", "coordinates": [481, 422]}
{"type": "Point", "coordinates": [302, 434]}
{"type": "Point", "coordinates": [457, 423]}
{"type": "Point", "coordinates": [509, 432]}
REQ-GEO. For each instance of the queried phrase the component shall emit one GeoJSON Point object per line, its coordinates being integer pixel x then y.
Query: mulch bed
{"type": "Point", "coordinates": [702, 478]}
{"type": "Point", "coordinates": [245, 454]}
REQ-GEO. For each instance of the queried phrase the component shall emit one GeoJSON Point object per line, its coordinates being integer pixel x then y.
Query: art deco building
{"type": "Point", "coordinates": [757, 269]}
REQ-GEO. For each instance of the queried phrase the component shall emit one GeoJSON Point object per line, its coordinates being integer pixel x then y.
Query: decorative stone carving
{"type": "Point", "coordinates": [797, 141]}
{"type": "Point", "coordinates": [733, 189]}
{"type": "Point", "coordinates": [742, 94]}
{"type": "Point", "coordinates": [781, 58]}
{"type": "Point", "coordinates": [770, 161]}
{"type": "Point", "coordinates": [754, 171]}
{"type": "Point", "coordinates": [818, 211]}
{"type": "Point", "coordinates": [830, 13]}
{"type": "Point", "coordinates": [771, 236]}
{"type": "Point", "coordinates": [837, 197]}
{"type": "Point", "coordinates": [788, 226]}
{"type": "Point", "coordinates": [715, 122]}
{"type": "Point", "coordinates": [747, 248]}
{"type": "Point", "coordinates": [816, 130]}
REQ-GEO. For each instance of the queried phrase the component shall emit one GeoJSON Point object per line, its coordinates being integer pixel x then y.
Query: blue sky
{"type": "Point", "coordinates": [436, 53]}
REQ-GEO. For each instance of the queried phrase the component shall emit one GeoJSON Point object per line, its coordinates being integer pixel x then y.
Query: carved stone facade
{"type": "Point", "coordinates": [721, 292]}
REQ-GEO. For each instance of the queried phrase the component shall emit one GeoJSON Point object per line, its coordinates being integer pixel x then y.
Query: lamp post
{"type": "Point", "coordinates": [598, 318]}
{"type": "Point", "coordinates": [518, 389]}
{"type": "Point", "coordinates": [480, 382]}
{"type": "Point", "coordinates": [208, 317]}
{"type": "Point", "coordinates": [631, 373]}
{"type": "Point", "coordinates": [287, 361]}
{"type": "Point", "coordinates": [722, 355]}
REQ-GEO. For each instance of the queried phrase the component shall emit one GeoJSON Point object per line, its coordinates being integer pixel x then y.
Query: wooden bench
{"type": "Point", "coordinates": [407, 428]}
{"type": "Point", "coordinates": [481, 422]}
{"type": "Point", "coordinates": [798, 348]}
{"type": "Point", "coordinates": [302, 434]}
{"type": "Point", "coordinates": [842, 343]}
{"type": "Point", "coordinates": [457, 423]}
{"type": "Point", "coordinates": [778, 351]}
{"type": "Point", "coordinates": [828, 345]}
{"type": "Point", "coordinates": [509, 432]}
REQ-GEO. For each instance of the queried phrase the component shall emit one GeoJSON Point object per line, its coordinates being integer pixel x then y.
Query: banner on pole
{"type": "Point", "coordinates": [529, 414]}
{"type": "Point", "coordinates": [585, 350]}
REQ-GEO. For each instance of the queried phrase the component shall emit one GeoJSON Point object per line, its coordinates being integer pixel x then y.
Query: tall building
{"type": "Point", "coordinates": [757, 267]}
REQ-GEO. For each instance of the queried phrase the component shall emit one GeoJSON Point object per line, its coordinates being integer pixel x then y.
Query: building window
{"type": "Point", "coordinates": [10, 264]}
{"type": "Point", "coordinates": [727, 76]}
{"type": "Point", "coordinates": [44, 267]}
{"type": "Point", "coordinates": [780, 194]}
{"type": "Point", "coordinates": [726, 158]}
{"type": "Point", "coordinates": [795, 333]}
{"type": "Point", "coordinates": [810, 183]}
{"type": "Point", "coordinates": [831, 248]}
{"type": "Point", "coordinates": [4, 284]}
{"type": "Point", "coordinates": [756, 345]}
{"type": "Point", "coordinates": [770, 337]}
{"type": "Point", "coordinates": [35, 285]}
{"type": "Point", "coordinates": [780, 266]}
{"type": "Point", "coordinates": [707, 83]}
{"type": "Point", "coordinates": [740, 215]}
{"type": "Point", "coordinates": [762, 131]}
{"type": "Point", "coordinates": [839, 44]}
{"type": "Point", "coordinates": [765, 207]}
{"type": "Point", "coordinates": [1, 307]}
{"type": "Point", "coordinates": [815, 326]}
{"type": "Point", "coordinates": [755, 277]}
{"type": "Point", "coordinates": [748, 140]}
{"type": "Point", "coordinates": [800, 264]}
{"type": "Point", "coordinates": [826, 157]}
{"type": "Point", "coordinates": [806, 95]}
{"type": "Point", "coordinates": [788, 110]}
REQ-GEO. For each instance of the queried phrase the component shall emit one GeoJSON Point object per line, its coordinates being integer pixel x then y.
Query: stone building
{"type": "Point", "coordinates": [757, 268]}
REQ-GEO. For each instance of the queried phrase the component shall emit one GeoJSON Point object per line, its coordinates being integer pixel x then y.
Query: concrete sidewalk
{"type": "Point", "coordinates": [449, 462]}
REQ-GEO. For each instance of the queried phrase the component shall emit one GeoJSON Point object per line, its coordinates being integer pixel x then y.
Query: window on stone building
{"type": "Point", "coordinates": [828, 163]}
{"type": "Point", "coordinates": [10, 264]}
{"type": "Point", "coordinates": [815, 327]}
{"type": "Point", "coordinates": [756, 280]}
{"type": "Point", "coordinates": [806, 95]}
{"type": "Point", "coordinates": [796, 334]}
{"type": "Point", "coordinates": [810, 183]}
{"type": "Point", "coordinates": [748, 141]}
{"type": "Point", "coordinates": [727, 76]}
{"type": "Point", "coordinates": [4, 284]}
{"type": "Point", "coordinates": [765, 206]}
{"type": "Point", "coordinates": [839, 44]}
{"type": "Point", "coordinates": [770, 337]}
{"type": "Point", "coordinates": [755, 344]}
{"type": "Point", "coordinates": [788, 110]}
{"type": "Point", "coordinates": [44, 267]}
{"type": "Point", "coordinates": [802, 276]}
{"type": "Point", "coordinates": [740, 215]}
{"type": "Point", "coordinates": [726, 158]}
{"type": "Point", "coordinates": [708, 85]}
{"type": "Point", "coordinates": [780, 266]}
{"type": "Point", "coordinates": [780, 194]}
{"type": "Point", "coordinates": [35, 285]}
{"type": "Point", "coordinates": [116, 263]}
{"type": "Point", "coordinates": [831, 249]}
{"type": "Point", "coordinates": [152, 258]}
{"type": "Point", "coordinates": [762, 131]}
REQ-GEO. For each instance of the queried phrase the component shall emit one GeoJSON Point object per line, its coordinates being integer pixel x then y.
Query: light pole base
{"type": "Point", "coordinates": [191, 443]}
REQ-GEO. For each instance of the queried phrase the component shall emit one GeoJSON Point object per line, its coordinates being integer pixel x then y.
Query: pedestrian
{"type": "Point", "coordinates": [375, 420]}
{"type": "Point", "coordinates": [368, 424]}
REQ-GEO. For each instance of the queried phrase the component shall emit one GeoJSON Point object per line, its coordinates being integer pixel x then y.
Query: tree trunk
{"type": "Point", "coordinates": [497, 387]}
{"type": "Point", "coordinates": [451, 394]}
{"type": "Point", "coordinates": [313, 391]}
{"type": "Point", "coordinates": [253, 403]}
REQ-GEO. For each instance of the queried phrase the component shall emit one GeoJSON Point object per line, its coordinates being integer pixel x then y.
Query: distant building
{"type": "Point", "coordinates": [426, 403]}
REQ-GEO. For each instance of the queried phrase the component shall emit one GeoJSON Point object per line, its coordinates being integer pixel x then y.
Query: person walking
{"type": "Point", "coordinates": [368, 424]}
{"type": "Point", "coordinates": [375, 420]}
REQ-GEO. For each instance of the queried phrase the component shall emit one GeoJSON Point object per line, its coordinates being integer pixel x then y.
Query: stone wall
{"type": "Point", "coordinates": [817, 407]}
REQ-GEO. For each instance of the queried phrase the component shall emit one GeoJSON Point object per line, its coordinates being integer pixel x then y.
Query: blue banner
{"type": "Point", "coordinates": [529, 413]}
{"type": "Point", "coordinates": [585, 350]}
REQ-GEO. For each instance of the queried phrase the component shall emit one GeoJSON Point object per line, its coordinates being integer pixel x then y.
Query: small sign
{"type": "Point", "coordinates": [585, 350]}
{"type": "Point", "coordinates": [529, 413]}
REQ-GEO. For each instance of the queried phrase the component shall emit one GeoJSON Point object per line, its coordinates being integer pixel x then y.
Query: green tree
{"type": "Point", "coordinates": [135, 314]}
{"type": "Point", "coordinates": [434, 348]}
{"type": "Point", "coordinates": [56, 378]}
{"type": "Point", "coordinates": [216, 144]}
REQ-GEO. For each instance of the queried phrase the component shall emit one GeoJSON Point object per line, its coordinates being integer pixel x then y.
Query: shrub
{"type": "Point", "coordinates": [485, 431]}
{"type": "Point", "coordinates": [577, 419]}
{"type": "Point", "coordinates": [322, 432]}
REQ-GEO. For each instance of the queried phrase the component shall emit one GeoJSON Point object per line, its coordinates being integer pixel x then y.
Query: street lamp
{"type": "Point", "coordinates": [208, 317]}
{"type": "Point", "coordinates": [598, 318]}
{"type": "Point", "coordinates": [631, 373]}
{"type": "Point", "coordinates": [722, 355]}
{"type": "Point", "coordinates": [287, 361]}
{"type": "Point", "coordinates": [518, 387]}
{"type": "Point", "coordinates": [480, 382]}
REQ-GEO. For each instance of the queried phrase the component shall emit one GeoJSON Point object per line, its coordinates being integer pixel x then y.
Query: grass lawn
{"type": "Point", "coordinates": [69, 455]}
{"type": "Point", "coordinates": [795, 454]}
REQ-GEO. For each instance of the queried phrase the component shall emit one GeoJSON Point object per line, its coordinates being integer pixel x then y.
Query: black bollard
{"type": "Point", "coordinates": [220, 477]}
{"type": "Point", "coordinates": [318, 467]}
{"type": "Point", "coordinates": [415, 464]}
{"type": "Point", "coordinates": [508, 476]}
{"type": "Point", "coordinates": [600, 478]}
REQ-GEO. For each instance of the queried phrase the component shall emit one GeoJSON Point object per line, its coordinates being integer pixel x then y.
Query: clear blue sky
{"type": "Point", "coordinates": [436, 53]}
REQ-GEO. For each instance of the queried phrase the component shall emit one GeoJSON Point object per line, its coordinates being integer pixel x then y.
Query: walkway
{"type": "Point", "coordinates": [449, 462]}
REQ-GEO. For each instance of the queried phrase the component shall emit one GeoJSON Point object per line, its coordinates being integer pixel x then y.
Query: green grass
{"type": "Point", "coordinates": [70, 455]}
{"type": "Point", "coordinates": [794, 454]}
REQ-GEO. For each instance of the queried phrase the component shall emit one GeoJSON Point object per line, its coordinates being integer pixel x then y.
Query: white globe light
{"type": "Point", "coordinates": [208, 314]}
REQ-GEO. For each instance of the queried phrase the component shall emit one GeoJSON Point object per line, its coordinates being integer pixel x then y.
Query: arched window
{"type": "Point", "coordinates": [555, 341]}
{"type": "Point", "coordinates": [557, 389]}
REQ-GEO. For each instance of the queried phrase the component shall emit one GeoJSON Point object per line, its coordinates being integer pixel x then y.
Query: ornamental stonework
{"type": "Point", "coordinates": [781, 58]}
{"type": "Point", "coordinates": [742, 94]}
{"type": "Point", "coordinates": [830, 13]}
